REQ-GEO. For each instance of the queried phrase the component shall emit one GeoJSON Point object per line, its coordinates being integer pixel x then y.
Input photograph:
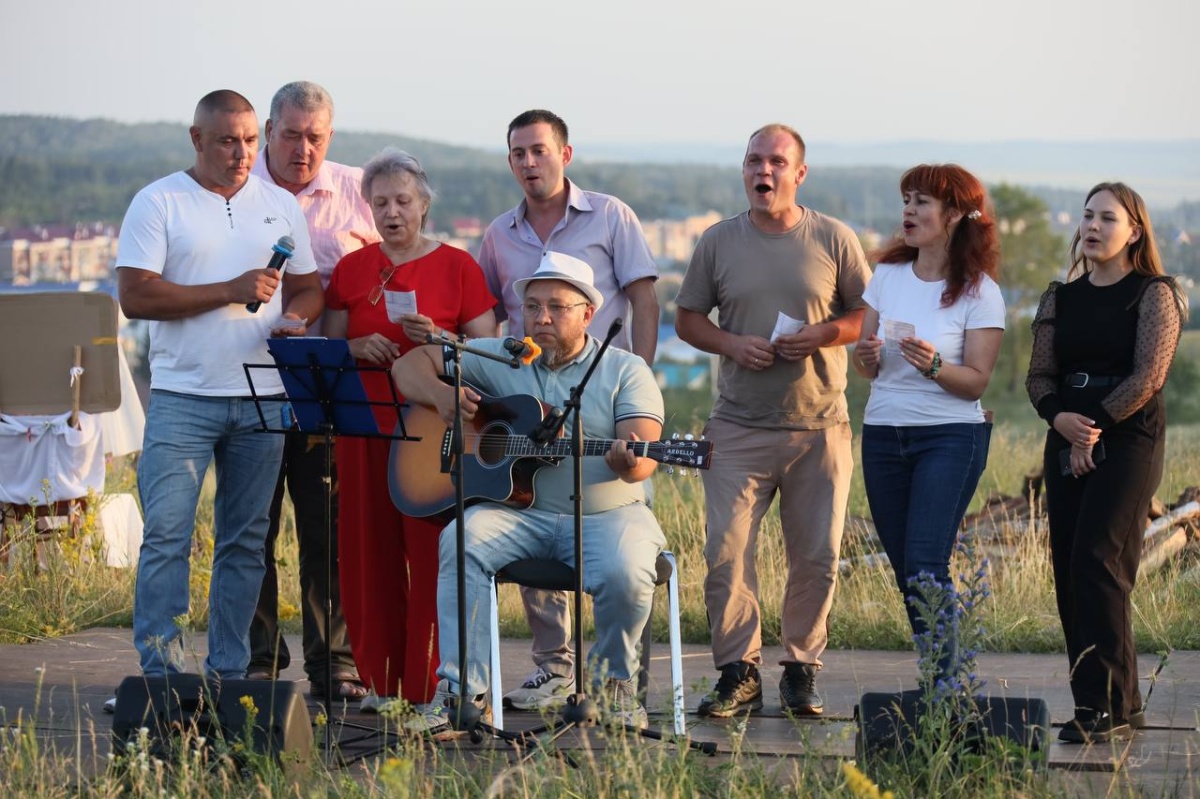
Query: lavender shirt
{"type": "Point", "coordinates": [597, 228]}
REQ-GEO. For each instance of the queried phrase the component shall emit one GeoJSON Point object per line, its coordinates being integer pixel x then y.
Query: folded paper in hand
{"type": "Point", "coordinates": [894, 332]}
{"type": "Point", "coordinates": [786, 326]}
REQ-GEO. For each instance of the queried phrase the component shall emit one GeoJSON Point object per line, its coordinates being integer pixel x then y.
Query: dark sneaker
{"type": "Point", "coordinates": [798, 690]}
{"type": "Point", "coordinates": [1093, 727]}
{"type": "Point", "coordinates": [739, 690]}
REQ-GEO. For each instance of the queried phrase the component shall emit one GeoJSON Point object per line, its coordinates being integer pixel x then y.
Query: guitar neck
{"type": "Point", "coordinates": [525, 447]}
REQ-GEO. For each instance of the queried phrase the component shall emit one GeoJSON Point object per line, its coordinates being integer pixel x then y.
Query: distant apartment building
{"type": "Point", "coordinates": [57, 254]}
{"type": "Point", "coordinates": [673, 240]}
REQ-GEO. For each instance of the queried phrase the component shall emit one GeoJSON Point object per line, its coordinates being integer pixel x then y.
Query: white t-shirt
{"type": "Point", "coordinates": [192, 236]}
{"type": "Point", "coordinates": [900, 395]}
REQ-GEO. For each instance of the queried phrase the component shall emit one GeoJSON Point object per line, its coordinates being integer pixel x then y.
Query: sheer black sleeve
{"type": "Point", "coordinates": [1041, 382]}
{"type": "Point", "coordinates": [1160, 323]}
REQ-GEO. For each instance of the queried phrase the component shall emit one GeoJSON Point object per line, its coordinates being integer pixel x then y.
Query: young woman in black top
{"type": "Point", "coordinates": [1103, 344]}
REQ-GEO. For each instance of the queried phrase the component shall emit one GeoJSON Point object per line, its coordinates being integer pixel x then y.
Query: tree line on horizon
{"type": "Point", "coordinates": [64, 171]}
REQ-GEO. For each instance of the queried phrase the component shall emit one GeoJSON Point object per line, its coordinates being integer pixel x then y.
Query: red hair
{"type": "Point", "coordinates": [974, 246]}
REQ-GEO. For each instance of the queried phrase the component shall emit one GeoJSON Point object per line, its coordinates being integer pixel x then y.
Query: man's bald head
{"type": "Point", "coordinates": [222, 101]}
{"type": "Point", "coordinates": [225, 136]}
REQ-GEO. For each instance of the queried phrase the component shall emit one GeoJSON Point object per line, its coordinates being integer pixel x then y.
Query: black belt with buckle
{"type": "Point", "coordinates": [1085, 380]}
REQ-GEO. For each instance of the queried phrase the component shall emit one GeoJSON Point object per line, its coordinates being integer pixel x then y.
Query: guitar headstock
{"type": "Point", "coordinates": [683, 452]}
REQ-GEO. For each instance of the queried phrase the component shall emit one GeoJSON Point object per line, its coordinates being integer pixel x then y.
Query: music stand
{"type": "Point", "coordinates": [327, 398]}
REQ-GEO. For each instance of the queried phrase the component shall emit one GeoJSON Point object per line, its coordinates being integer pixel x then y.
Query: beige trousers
{"type": "Point", "coordinates": [810, 471]}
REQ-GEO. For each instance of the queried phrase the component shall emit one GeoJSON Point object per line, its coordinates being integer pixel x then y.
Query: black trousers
{"type": "Point", "coordinates": [1096, 526]}
{"type": "Point", "coordinates": [302, 471]}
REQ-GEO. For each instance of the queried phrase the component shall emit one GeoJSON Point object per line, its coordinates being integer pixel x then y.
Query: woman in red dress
{"type": "Point", "coordinates": [388, 561]}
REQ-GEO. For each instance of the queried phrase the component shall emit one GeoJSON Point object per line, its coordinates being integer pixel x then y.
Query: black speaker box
{"type": "Point", "coordinates": [887, 722]}
{"type": "Point", "coordinates": [170, 707]}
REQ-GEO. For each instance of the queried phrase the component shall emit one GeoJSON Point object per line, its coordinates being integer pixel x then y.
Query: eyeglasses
{"type": "Point", "coordinates": [556, 310]}
{"type": "Point", "coordinates": [384, 276]}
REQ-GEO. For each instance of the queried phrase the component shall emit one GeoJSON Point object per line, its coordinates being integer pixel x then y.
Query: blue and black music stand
{"type": "Point", "coordinates": [326, 396]}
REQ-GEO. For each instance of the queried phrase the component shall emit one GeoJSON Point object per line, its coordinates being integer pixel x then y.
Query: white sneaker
{"type": "Point", "coordinates": [394, 706]}
{"type": "Point", "coordinates": [623, 705]}
{"type": "Point", "coordinates": [434, 720]}
{"type": "Point", "coordinates": [110, 704]}
{"type": "Point", "coordinates": [540, 691]}
{"type": "Point", "coordinates": [371, 703]}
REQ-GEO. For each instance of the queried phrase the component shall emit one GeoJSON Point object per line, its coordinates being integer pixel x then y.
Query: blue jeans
{"type": "Point", "coordinates": [919, 483]}
{"type": "Point", "coordinates": [184, 433]}
{"type": "Point", "coordinates": [620, 547]}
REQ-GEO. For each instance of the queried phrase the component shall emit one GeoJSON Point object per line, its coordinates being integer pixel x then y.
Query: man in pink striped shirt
{"type": "Point", "coordinates": [339, 220]}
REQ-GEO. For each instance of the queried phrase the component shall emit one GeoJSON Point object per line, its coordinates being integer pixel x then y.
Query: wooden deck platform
{"type": "Point", "coordinates": [63, 683]}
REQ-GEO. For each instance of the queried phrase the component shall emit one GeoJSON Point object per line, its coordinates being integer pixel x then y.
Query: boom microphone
{"type": "Point", "coordinates": [527, 351]}
{"type": "Point", "coordinates": [282, 250]}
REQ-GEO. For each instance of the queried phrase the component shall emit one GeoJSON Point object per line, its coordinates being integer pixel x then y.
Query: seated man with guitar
{"type": "Point", "coordinates": [621, 537]}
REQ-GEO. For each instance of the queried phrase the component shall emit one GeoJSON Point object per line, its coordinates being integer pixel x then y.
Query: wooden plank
{"type": "Point", "coordinates": [61, 684]}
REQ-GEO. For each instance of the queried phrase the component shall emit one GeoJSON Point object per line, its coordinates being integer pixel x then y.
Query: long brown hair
{"type": "Point", "coordinates": [1143, 253]}
{"type": "Point", "coordinates": [974, 247]}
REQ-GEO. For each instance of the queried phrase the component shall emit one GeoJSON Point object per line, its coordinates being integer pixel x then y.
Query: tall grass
{"type": "Point", "coordinates": [52, 587]}
{"type": "Point", "coordinates": [55, 586]}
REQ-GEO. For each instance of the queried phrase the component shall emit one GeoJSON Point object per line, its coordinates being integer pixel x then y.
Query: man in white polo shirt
{"type": "Point", "coordinates": [191, 258]}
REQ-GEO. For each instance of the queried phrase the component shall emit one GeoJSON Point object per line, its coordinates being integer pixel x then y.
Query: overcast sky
{"type": "Point", "coordinates": [630, 71]}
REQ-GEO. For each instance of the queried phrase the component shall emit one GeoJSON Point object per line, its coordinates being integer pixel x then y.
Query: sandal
{"type": "Point", "coordinates": [345, 686]}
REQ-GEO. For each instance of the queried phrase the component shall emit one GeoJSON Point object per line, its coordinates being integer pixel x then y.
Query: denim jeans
{"type": "Point", "coordinates": [184, 433]}
{"type": "Point", "coordinates": [619, 550]}
{"type": "Point", "coordinates": [919, 483]}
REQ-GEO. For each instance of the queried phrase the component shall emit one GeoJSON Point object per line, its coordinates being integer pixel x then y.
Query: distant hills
{"type": "Point", "coordinates": [63, 170]}
{"type": "Point", "coordinates": [1165, 173]}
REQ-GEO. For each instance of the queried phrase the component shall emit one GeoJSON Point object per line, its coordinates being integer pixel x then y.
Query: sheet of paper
{"type": "Point", "coordinates": [786, 326]}
{"type": "Point", "coordinates": [894, 332]}
{"type": "Point", "coordinates": [286, 323]}
{"type": "Point", "coordinates": [400, 303]}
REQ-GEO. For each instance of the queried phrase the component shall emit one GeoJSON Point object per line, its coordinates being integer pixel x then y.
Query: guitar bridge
{"type": "Point", "coordinates": [447, 450]}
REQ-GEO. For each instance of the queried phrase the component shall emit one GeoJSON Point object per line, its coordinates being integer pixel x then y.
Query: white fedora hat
{"type": "Point", "coordinates": [558, 266]}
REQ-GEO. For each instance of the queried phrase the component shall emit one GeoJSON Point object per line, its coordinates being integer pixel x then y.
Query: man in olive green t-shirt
{"type": "Point", "coordinates": [779, 422]}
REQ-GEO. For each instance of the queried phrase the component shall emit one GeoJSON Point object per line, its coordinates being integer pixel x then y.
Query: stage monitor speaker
{"type": "Point", "coordinates": [887, 722]}
{"type": "Point", "coordinates": [170, 707]}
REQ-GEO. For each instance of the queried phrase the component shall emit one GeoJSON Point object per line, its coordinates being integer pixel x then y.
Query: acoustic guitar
{"type": "Point", "coordinates": [499, 456]}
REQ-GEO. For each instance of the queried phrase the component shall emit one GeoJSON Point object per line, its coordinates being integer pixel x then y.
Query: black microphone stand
{"type": "Point", "coordinates": [580, 710]}
{"type": "Point", "coordinates": [464, 714]}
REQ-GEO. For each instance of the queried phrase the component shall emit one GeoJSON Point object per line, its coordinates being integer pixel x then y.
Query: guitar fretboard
{"type": "Point", "coordinates": [525, 447]}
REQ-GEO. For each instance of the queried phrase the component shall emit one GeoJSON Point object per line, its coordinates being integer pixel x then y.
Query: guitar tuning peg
{"type": "Point", "coordinates": [689, 437]}
{"type": "Point", "coordinates": [675, 436]}
{"type": "Point", "coordinates": [670, 469]}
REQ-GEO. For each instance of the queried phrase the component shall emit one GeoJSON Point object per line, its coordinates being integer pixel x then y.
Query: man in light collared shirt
{"type": "Point", "coordinates": [604, 232]}
{"type": "Point", "coordinates": [339, 221]}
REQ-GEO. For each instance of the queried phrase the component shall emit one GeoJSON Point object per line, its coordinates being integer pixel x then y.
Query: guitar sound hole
{"type": "Point", "coordinates": [492, 442]}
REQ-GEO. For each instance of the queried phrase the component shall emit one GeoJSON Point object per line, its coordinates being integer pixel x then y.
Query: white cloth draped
{"type": "Point", "coordinates": [34, 449]}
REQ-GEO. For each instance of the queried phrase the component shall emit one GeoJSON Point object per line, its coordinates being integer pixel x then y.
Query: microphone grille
{"type": "Point", "coordinates": [286, 242]}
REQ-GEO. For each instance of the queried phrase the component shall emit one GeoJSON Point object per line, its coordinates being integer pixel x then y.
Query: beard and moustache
{"type": "Point", "coordinates": [561, 353]}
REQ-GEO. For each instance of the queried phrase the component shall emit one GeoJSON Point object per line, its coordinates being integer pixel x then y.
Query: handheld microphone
{"type": "Point", "coordinates": [527, 351]}
{"type": "Point", "coordinates": [279, 254]}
